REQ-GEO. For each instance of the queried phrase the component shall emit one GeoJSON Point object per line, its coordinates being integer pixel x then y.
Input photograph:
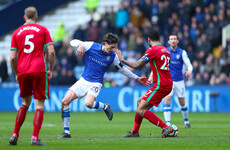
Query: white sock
{"type": "Point", "coordinates": [66, 114]}
{"type": "Point", "coordinates": [184, 111]}
{"type": "Point", "coordinates": [167, 113]}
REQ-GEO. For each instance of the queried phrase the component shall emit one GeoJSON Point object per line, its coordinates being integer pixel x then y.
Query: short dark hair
{"type": "Point", "coordinates": [173, 34]}
{"type": "Point", "coordinates": [110, 38]}
{"type": "Point", "coordinates": [153, 35]}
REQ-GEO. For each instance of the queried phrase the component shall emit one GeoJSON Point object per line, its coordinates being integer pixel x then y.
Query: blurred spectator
{"type": "Point", "coordinates": [147, 9]}
{"type": "Point", "coordinates": [198, 79]}
{"type": "Point", "coordinates": [209, 65]}
{"type": "Point", "coordinates": [198, 24]}
{"type": "Point", "coordinates": [226, 67]}
{"type": "Point", "coordinates": [140, 45]}
{"type": "Point", "coordinates": [204, 44]}
{"type": "Point", "coordinates": [123, 45]}
{"type": "Point", "coordinates": [222, 79]}
{"type": "Point", "coordinates": [71, 79]}
{"type": "Point", "coordinates": [212, 80]}
{"type": "Point", "coordinates": [3, 70]}
{"type": "Point", "coordinates": [94, 32]}
{"type": "Point", "coordinates": [132, 42]}
{"type": "Point", "coordinates": [91, 5]}
{"type": "Point", "coordinates": [122, 18]}
{"type": "Point", "coordinates": [216, 67]}
{"type": "Point", "coordinates": [191, 53]}
{"type": "Point", "coordinates": [110, 15]}
{"type": "Point", "coordinates": [104, 29]}
{"type": "Point", "coordinates": [199, 14]}
{"type": "Point", "coordinates": [136, 17]}
{"type": "Point", "coordinates": [79, 33]}
{"type": "Point", "coordinates": [55, 79]}
{"type": "Point", "coordinates": [59, 36]}
{"type": "Point", "coordinates": [206, 78]}
{"type": "Point", "coordinates": [213, 34]}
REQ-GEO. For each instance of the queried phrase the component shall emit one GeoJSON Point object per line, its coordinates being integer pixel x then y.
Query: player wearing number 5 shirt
{"type": "Point", "coordinates": [27, 59]}
{"type": "Point", "coordinates": [159, 58]}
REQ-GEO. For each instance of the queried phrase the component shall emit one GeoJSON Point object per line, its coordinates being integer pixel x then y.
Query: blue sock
{"type": "Point", "coordinates": [99, 105]}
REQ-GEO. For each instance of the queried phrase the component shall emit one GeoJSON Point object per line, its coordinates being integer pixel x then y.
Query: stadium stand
{"type": "Point", "coordinates": [198, 24]}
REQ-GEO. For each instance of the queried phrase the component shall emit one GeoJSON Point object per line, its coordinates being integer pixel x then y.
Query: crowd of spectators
{"type": "Point", "coordinates": [198, 24]}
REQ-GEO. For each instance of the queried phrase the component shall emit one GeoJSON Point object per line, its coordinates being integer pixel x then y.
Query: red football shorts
{"type": "Point", "coordinates": [34, 83]}
{"type": "Point", "coordinates": [155, 94]}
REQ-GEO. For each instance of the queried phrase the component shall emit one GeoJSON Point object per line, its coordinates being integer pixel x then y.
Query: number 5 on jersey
{"type": "Point", "coordinates": [165, 66]}
{"type": "Point", "coordinates": [28, 42]}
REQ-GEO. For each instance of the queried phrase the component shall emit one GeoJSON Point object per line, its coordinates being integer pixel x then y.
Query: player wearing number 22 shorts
{"type": "Point", "coordinates": [30, 41]}
{"type": "Point", "coordinates": [159, 58]}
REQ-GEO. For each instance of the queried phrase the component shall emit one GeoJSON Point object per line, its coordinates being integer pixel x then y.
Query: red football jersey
{"type": "Point", "coordinates": [30, 41]}
{"type": "Point", "coordinates": [159, 60]}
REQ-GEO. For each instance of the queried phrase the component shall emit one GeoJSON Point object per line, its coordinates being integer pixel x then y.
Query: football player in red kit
{"type": "Point", "coordinates": [159, 58]}
{"type": "Point", "coordinates": [28, 62]}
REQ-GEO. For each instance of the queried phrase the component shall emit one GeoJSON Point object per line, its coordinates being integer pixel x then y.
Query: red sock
{"type": "Point", "coordinates": [37, 122]}
{"type": "Point", "coordinates": [137, 124]}
{"type": "Point", "coordinates": [154, 119]}
{"type": "Point", "coordinates": [21, 115]}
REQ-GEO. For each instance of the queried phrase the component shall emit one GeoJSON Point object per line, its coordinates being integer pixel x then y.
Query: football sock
{"type": "Point", "coordinates": [154, 119]}
{"type": "Point", "coordinates": [37, 122]}
{"type": "Point", "coordinates": [99, 105]}
{"type": "Point", "coordinates": [167, 113]}
{"type": "Point", "coordinates": [137, 123]}
{"type": "Point", "coordinates": [21, 115]}
{"type": "Point", "coordinates": [66, 118]}
{"type": "Point", "coordinates": [184, 111]}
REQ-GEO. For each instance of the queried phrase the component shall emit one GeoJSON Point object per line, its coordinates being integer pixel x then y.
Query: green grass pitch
{"type": "Point", "coordinates": [94, 131]}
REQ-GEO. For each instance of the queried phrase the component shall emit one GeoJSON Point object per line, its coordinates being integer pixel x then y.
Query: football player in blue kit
{"type": "Point", "coordinates": [179, 57]}
{"type": "Point", "coordinates": [98, 58]}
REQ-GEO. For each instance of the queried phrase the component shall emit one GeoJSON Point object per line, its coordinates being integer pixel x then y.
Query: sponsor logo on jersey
{"type": "Point", "coordinates": [108, 58]}
{"type": "Point", "coordinates": [97, 61]}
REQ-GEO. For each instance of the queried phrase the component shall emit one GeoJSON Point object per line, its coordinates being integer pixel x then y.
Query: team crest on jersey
{"type": "Point", "coordinates": [108, 58]}
{"type": "Point", "coordinates": [95, 52]}
{"type": "Point", "coordinates": [177, 56]}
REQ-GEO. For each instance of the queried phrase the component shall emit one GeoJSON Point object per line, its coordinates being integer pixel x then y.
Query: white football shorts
{"type": "Point", "coordinates": [83, 87]}
{"type": "Point", "coordinates": [178, 89]}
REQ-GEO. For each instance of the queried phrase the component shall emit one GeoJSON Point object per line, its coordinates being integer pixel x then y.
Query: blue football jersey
{"type": "Point", "coordinates": [176, 64]}
{"type": "Point", "coordinates": [97, 63]}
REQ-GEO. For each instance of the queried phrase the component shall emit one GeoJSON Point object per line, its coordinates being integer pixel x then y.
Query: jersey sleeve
{"type": "Point", "coordinates": [122, 69]}
{"type": "Point", "coordinates": [14, 43]}
{"type": "Point", "coordinates": [186, 60]}
{"type": "Point", "coordinates": [48, 39]}
{"type": "Point", "coordinates": [148, 55]}
{"type": "Point", "coordinates": [116, 61]}
{"type": "Point", "coordinates": [86, 45]}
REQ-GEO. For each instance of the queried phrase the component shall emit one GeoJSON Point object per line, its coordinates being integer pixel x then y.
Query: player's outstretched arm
{"type": "Point", "coordinates": [134, 65]}
{"type": "Point", "coordinates": [13, 62]}
{"type": "Point", "coordinates": [150, 79]}
{"type": "Point", "coordinates": [80, 51]}
{"type": "Point", "coordinates": [143, 80]}
{"type": "Point", "coordinates": [51, 57]}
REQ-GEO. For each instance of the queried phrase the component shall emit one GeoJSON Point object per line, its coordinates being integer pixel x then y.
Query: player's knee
{"type": "Point", "coordinates": [64, 102]}
{"type": "Point", "coordinates": [138, 101]}
{"type": "Point", "coordinates": [25, 105]}
{"type": "Point", "coordinates": [89, 104]}
{"type": "Point", "coordinates": [139, 112]}
{"type": "Point", "coordinates": [167, 101]}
